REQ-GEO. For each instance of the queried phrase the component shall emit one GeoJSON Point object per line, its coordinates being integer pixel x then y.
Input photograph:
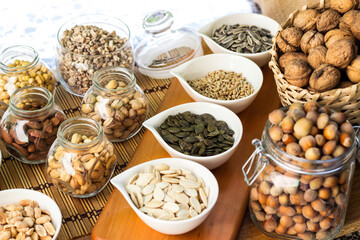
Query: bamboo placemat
{"type": "Point", "coordinates": [79, 215]}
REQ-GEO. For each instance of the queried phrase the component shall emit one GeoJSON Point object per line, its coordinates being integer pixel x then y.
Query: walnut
{"type": "Point", "coordinates": [306, 20]}
{"type": "Point", "coordinates": [347, 19]}
{"type": "Point", "coordinates": [297, 72]}
{"type": "Point", "coordinates": [344, 84]}
{"type": "Point", "coordinates": [353, 70]}
{"type": "Point", "coordinates": [317, 56]}
{"type": "Point", "coordinates": [355, 27]}
{"type": "Point", "coordinates": [287, 57]}
{"type": "Point", "coordinates": [328, 20]}
{"type": "Point", "coordinates": [324, 78]}
{"type": "Point", "coordinates": [337, 34]}
{"type": "Point", "coordinates": [343, 6]}
{"type": "Point", "coordinates": [288, 40]}
{"type": "Point", "coordinates": [341, 53]}
{"type": "Point", "coordinates": [310, 40]}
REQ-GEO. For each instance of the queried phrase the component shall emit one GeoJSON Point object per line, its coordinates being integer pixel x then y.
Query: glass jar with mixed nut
{"type": "Point", "coordinates": [116, 102]}
{"type": "Point", "coordinates": [303, 170]}
{"type": "Point", "coordinates": [20, 67]}
{"type": "Point", "coordinates": [30, 124]}
{"type": "Point", "coordinates": [81, 160]}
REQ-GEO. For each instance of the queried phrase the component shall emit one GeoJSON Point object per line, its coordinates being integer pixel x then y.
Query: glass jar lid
{"type": "Point", "coordinates": [163, 48]}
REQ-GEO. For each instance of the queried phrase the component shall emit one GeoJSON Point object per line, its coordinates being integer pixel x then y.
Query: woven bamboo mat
{"type": "Point", "coordinates": [79, 215]}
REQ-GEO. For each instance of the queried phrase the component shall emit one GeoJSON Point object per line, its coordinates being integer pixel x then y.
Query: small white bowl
{"type": "Point", "coordinates": [258, 20]}
{"type": "Point", "coordinates": [45, 202]}
{"type": "Point", "coordinates": [219, 112]}
{"type": "Point", "coordinates": [165, 226]}
{"type": "Point", "coordinates": [201, 66]}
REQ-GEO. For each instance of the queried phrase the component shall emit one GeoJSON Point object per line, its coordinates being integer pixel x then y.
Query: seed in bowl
{"type": "Point", "coordinates": [222, 85]}
{"type": "Point", "coordinates": [168, 193]}
{"type": "Point", "coordinates": [196, 135]}
{"type": "Point", "coordinates": [243, 38]}
{"type": "Point", "coordinates": [25, 220]}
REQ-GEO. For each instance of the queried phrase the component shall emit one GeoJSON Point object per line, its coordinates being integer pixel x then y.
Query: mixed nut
{"type": "Point", "coordinates": [120, 112]}
{"type": "Point", "coordinates": [222, 85]}
{"type": "Point", "coordinates": [196, 135]}
{"type": "Point", "coordinates": [86, 49]}
{"type": "Point", "coordinates": [25, 220]}
{"type": "Point", "coordinates": [168, 193]}
{"type": "Point", "coordinates": [81, 172]}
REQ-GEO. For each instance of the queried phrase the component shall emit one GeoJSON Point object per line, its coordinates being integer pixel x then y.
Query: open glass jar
{"type": "Point", "coordinates": [30, 124]}
{"type": "Point", "coordinates": [88, 43]}
{"type": "Point", "coordinates": [20, 67]}
{"type": "Point", "coordinates": [296, 198]}
{"type": "Point", "coordinates": [117, 102]}
{"type": "Point", "coordinates": [81, 160]}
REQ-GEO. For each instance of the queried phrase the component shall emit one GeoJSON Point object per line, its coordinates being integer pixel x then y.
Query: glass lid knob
{"type": "Point", "coordinates": [158, 21]}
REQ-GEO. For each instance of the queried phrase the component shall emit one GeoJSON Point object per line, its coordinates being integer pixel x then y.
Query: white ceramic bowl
{"type": "Point", "coordinates": [241, 18]}
{"type": "Point", "coordinates": [219, 112]}
{"type": "Point", "coordinates": [201, 66]}
{"type": "Point", "coordinates": [165, 226]}
{"type": "Point", "coordinates": [45, 202]}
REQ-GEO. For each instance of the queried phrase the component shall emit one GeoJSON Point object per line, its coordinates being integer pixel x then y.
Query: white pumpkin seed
{"type": "Point", "coordinates": [154, 204]}
{"type": "Point", "coordinates": [207, 191]}
{"type": "Point", "coordinates": [177, 188]}
{"type": "Point", "coordinates": [203, 196]}
{"type": "Point", "coordinates": [132, 188]}
{"type": "Point", "coordinates": [172, 207]}
{"type": "Point", "coordinates": [167, 172]}
{"type": "Point", "coordinates": [147, 198]}
{"type": "Point", "coordinates": [195, 204]}
{"type": "Point", "coordinates": [133, 179]}
{"type": "Point", "coordinates": [162, 185]}
{"type": "Point", "coordinates": [148, 189]}
{"type": "Point", "coordinates": [162, 167]}
{"type": "Point", "coordinates": [158, 194]}
{"type": "Point", "coordinates": [133, 198]}
{"type": "Point", "coordinates": [182, 213]}
{"type": "Point", "coordinates": [170, 180]}
{"type": "Point", "coordinates": [166, 216]}
{"type": "Point", "coordinates": [167, 198]}
{"type": "Point", "coordinates": [149, 169]}
{"type": "Point", "coordinates": [156, 212]}
{"type": "Point", "coordinates": [190, 192]}
{"type": "Point", "coordinates": [144, 179]}
{"type": "Point", "coordinates": [191, 177]}
{"type": "Point", "coordinates": [201, 182]}
{"type": "Point", "coordinates": [181, 198]}
{"type": "Point", "coordinates": [186, 183]}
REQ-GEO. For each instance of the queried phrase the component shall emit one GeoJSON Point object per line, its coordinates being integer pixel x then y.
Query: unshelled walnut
{"type": "Point", "coordinates": [288, 40]}
{"type": "Point", "coordinates": [297, 73]}
{"type": "Point", "coordinates": [347, 19]}
{"type": "Point", "coordinates": [328, 20]}
{"type": "Point", "coordinates": [311, 39]}
{"type": "Point", "coordinates": [287, 57]}
{"type": "Point", "coordinates": [355, 27]}
{"type": "Point", "coordinates": [344, 84]}
{"type": "Point", "coordinates": [353, 70]}
{"type": "Point", "coordinates": [337, 34]}
{"type": "Point", "coordinates": [343, 6]}
{"type": "Point", "coordinates": [341, 53]}
{"type": "Point", "coordinates": [317, 56]}
{"type": "Point", "coordinates": [306, 20]}
{"type": "Point", "coordinates": [324, 78]}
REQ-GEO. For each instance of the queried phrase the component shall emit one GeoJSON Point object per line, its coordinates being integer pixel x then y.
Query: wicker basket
{"type": "Point", "coordinates": [345, 99]}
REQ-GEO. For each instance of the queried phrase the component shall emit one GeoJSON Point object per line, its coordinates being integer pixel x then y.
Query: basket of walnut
{"type": "Point", "coordinates": [315, 57]}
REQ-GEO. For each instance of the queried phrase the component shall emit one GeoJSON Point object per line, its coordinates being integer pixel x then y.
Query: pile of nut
{"type": "Point", "coordinates": [304, 205]}
{"type": "Point", "coordinates": [319, 51]}
{"type": "Point", "coordinates": [120, 113]}
{"type": "Point", "coordinates": [87, 49]}
{"type": "Point", "coordinates": [38, 76]}
{"type": "Point", "coordinates": [31, 139]}
{"type": "Point", "coordinates": [168, 193]}
{"type": "Point", "coordinates": [25, 220]}
{"type": "Point", "coordinates": [81, 172]}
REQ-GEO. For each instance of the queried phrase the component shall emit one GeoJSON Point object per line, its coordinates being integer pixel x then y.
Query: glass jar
{"type": "Point", "coordinates": [87, 44]}
{"type": "Point", "coordinates": [81, 160]}
{"type": "Point", "coordinates": [30, 124]}
{"type": "Point", "coordinates": [296, 198]}
{"type": "Point", "coordinates": [164, 48]}
{"type": "Point", "coordinates": [20, 67]}
{"type": "Point", "coordinates": [117, 102]}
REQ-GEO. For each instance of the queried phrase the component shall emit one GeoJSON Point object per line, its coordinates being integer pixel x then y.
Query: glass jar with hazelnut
{"type": "Point", "coordinates": [301, 172]}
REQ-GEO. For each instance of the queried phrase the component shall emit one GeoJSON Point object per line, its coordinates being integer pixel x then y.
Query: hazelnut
{"type": "Point", "coordinates": [260, 216]}
{"type": "Point", "coordinates": [280, 229]}
{"type": "Point", "coordinates": [335, 191]}
{"type": "Point", "coordinates": [264, 188]}
{"type": "Point", "coordinates": [330, 131]}
{"type": "Point", "coordinates": [347, 19]}
{"type": "Point", "coordinates": [262, 198]}
{"type": "Point", "coordinates": [338, 117]}
{"type": "Point", "coordinates": [316, 183]}
{"type": "Point", "coordinates": [322, 234]}
{"type": "Point", "coordinates": [276, 133]}
{"type": "Point", "coordinates": [337, 34]}
{"type": "Point", "coordinates": [324, 193]}
{"type": "Point", "coordinates": [272, 202]}
{"type": "Point", "coordinates": [296, 105]}
{"type": "Point", "coordinates": [269, 210]}
{"type": "Point", "coordinates": [254, 195]}
{"type": "Point", "coordinates": [291, 231]}
{"type": "Point", "coordinates": [312, 115]}
{"type": "Point", "coordinates": [340, 199]}
{"type": "Point", "coordinates": [287, 57]}
{"type": "Point", "coordinates": [293, 149]}
{"type": "Point", "coordinates": [296, 114]}
{"type": "Point", "coordinates": [303, 127]}
{"type": "Point", "coordinates": [343, 6]}
{"type": "Point", "coordinates": [298, 219]}
{"type": "Point", "coordinates": [339, 150]}
{"type": "Point", "coordinates": [341, 53]}
{"type": "Point", "coordinates": [288, 40]}
{"type": "Point", "coordinates": [328, 20]}
{"type": "Point", "coordinates": [329, 147]}
{"type": "Point", "coordinates": [306, 20]}
{"type": "Point", "coordinates": [297, 199]}
{"type": "Point", "coordinates": [287, 125]}
{"type": "Point", "coordinates": [276, 116]}
{"type": "Point", "coordinates": [307, 142]}
{"type": "Point", "coordinates": [300, 227]}
{"type": "Point", "coordinates": [308, 212]}
{"type": "Point", "coordinates": [317, 56]}
{"type": "Point", "coordinates": [318, 205]}
{"type": "Point", "coordinates": [297, 72]}
{"type": "Point", "coordinates": [353, 70]}
{"type": "Point", "coordinates": [320, 140]}
{"type": "Point", "coordinates": [310, 195]}
{"type": "Point", "coordinates": [323, 120]}
{"type": "Point", "coordinates": [330, 182]}
{"type": "Point", "coordinates": [255, 206]}
{"type": "Point", "coordinates": [325, 223]}
{"type": "Point", "coordinates": [284, 199]}
{"type": "Point", "coordinates": [306, 236]}
{"type": "Point", "coordinates": [313, 153]}
{"type": "Point", "coordinates": [270, 225]}
{"type": "Point", "coordinates": [287, 211]}
{"type": "Point", "coordinates": [288, 138]}
{"type": "Point", "coordinates": [317, 219]}
{"type": "Point", "coordinates": [311, 39]}
{"type": "Point", "coordinates": [276, 191]}
{"type": "Point", "coordinates": [325, 109]}
{"type": "Point", "coordinates": [286, 221]}
{"type": "Point", "coordinates": [324, 78]}
{"type": "Point", "coordinates": [347, 128]}
{"type": "Point", "coordinates": [312, 226]}
{"type": "Point", "coordinates": [345, 139]}
{"type": "Point", "coordinates": [311, 106]}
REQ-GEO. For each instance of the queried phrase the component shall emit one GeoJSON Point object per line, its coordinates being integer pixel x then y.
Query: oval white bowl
{"type": "Point", "coordinates": [45, 202]}
{"type": "Point", "coordinates": [201, 66]}
{"type": "Point", "coordinates": [164, 226]}
{"type": "Point", "coordinates": [219, 112]}
{"type": "Point", "coordinates": [258, 20]}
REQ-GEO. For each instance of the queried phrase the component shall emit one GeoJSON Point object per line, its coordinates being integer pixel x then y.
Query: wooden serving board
{"type": "Point", "coordinates": [119, 221]}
